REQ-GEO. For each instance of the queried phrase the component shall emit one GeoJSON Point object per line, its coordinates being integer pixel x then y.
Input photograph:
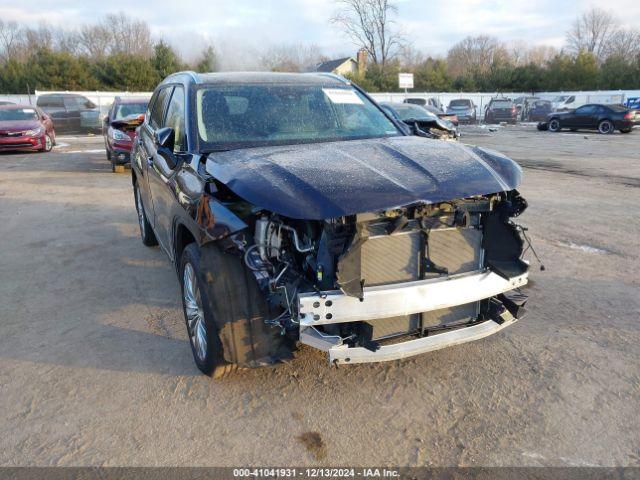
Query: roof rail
{"type": "Point", "coordinates": [340, 78]}
{"type": "Point", "coordinates": [190, 73]}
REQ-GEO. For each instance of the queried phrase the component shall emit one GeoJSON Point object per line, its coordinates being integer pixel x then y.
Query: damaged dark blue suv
{"type": "Point", "coordinates": [296, 210]}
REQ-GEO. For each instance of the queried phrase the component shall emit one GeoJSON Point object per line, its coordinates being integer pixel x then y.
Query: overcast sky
{"type": "Point", "coordinates": [249, 25]}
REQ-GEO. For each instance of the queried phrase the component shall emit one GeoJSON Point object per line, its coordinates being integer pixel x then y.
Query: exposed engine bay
{"type": "Point", "coordinates": [321, 278]}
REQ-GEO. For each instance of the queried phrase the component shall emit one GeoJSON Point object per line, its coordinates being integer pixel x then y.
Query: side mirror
{"type": "Point", "coordinates": [165, 138]}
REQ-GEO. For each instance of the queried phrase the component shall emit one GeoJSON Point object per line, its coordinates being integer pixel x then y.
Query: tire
{"type": "Point", "coordinates": [625, 130]}
{"type": "Point", "coordinates": [146, 231]}
{"type": "Point", "coordinates": [240, 311]}
{"type": "Point", "coordinates": [108, 154]}
{"type": "Point", "coordinates": [202, 330]}
{"type": "Point", "coordinates": [48, 144]}
{"type": "Point", "coordinates": [554, 125]}
{"type": "Point", "coordinates": [605, 127]}
{"type": "Point", "coordinates": [573, 129]}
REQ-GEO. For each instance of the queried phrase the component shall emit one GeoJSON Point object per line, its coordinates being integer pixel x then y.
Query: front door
{"type": "Point", "coordinates": [583, 116]}
{"type": "Point", "coordinates": [161, 176]}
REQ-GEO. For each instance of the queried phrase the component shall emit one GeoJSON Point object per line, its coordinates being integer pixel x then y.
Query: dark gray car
{"type": "Point", "coordinates": [70, 112]}
{"type": "Point", "coordinates": [464, 109]}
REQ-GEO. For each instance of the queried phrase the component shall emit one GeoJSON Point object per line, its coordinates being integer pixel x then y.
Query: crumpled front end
{"type": "Point", "coordinates": [418, 279]}
{"type": "Point", "coordinates": [389, 284]}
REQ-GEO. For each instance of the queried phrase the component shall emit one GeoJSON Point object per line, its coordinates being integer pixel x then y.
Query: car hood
{"type": "Point", "coordinates": [18, 125]}
{"type": "Point", "coordinates": [327, 180]}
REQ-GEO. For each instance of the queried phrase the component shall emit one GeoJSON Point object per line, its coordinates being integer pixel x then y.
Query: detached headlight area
{"type": "Point", "coordinates": [33, 133]}
{"type": "Point", "coordinates": [116, 134]}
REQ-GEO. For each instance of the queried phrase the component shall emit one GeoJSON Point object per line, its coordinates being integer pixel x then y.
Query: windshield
{"type": "Point", "coordinates": [240, 116]}
{"type": "Point", "coordinates": [460, 104]}
{"type": "Point", "coordinates": [125, 109]}
{"type": "Point", "coordinates": [407, 111]}
{"type": "Point", "coordinates": [501, 104]}
{"type": "Point", "coordinates": [541, 103]}
{"type": "Point", "coordinates": [14, 114]}
{"type": "Point", "coordinates": [560, 98]}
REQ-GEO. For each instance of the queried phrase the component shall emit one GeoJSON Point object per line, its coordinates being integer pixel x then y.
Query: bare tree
{"type": "Point", "coordinates": [117, 33]}
{"type": "Point", "coordinates": [96, 40]}
{"type": "Point", "coordinates": [476, 54]}
{"type": "Point", "coordinates": [540, 55]}
{"type": "Point", "coordinates": [625, 44]}
{"type": "Point", "coordinates": [129, 36]}
{"type": "Point", "coordinates": [369, 24]}
{"type": "Point", "coordinates": [591, 32]}
{"type": "Point", "coordinates": [291, 58]}
{"type": "Point", "coordinates": [11, 36]}
{"type": "Point", "coordinates": [409, 57]}
{"type": "Point", "coordinates": [518, 52]}
{"type": "Point", "coordinates": [35, 38]}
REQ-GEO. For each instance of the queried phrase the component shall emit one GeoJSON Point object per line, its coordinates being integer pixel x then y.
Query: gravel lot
{"type": "Point", "coordinates": [95, 366]}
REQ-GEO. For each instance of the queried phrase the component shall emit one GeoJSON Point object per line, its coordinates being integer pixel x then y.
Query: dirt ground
{"type": "Point", "coordinates": [95, 367]}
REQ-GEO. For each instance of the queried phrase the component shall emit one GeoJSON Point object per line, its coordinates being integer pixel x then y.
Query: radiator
{"type": "Point", "coordinates": [396, 258]}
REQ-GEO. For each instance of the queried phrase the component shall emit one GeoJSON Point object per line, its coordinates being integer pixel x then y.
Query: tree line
{"type": "Point", "coordinates": [116, 54]}
{"type": "Point", "coordinates": [119, 53]}
{"type": "Point", "coordinates": [599, 54]}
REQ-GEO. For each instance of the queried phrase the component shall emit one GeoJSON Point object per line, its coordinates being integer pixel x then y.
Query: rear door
{"type": "Point", "coordinates": [73, 113]}
{"type": "Point", "coordinates": [53, 105]}
{"type": "Point", "coordinates": [146, 145]}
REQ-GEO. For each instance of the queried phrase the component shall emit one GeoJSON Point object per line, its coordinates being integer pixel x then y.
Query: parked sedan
{"type": "Point", "coordinates": [296, 211]}
{"type": "Point", "coordinates": [119, 126]}
{"type": "Point", "coordinates": [464, 109]}
{"type": "Point", "coordinates": [501, 110]}
{"type": "Point", "coordinates": [604, 118]}
{"type": "Point", "coordinates": [417, 116]}
{"type": "Point", "coordinates": [523, 105]}
{"type": "Point", "coordinates": [442, 115]}
{"type": "Point", "coordinates": [72, 113]}
{"type": "Point", "coordinates": [539, 110]}
{"type": "Point", "coordinates": [23, 127]}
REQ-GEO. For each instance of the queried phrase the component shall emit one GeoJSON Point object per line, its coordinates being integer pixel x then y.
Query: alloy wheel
{"type": "Point", "coordinates": [605, 127]}
{"type": "Point", "coordinates": [194, 312]}
{"type": "Point", "coordinates": [140, 210]}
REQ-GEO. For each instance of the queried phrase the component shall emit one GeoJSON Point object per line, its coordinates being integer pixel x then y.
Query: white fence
{"type": "Point", "coordinates": [102, 99]}
{"type": "Point", "coordinates": [105, 99]}
{"type": "Point", "coordinates": [482, 99]}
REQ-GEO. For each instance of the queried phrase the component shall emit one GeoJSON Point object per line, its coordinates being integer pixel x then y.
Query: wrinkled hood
{"type": "Point", "coordinates": [18, 125]}
{"type": "Point", "coordinates": [327, 180]}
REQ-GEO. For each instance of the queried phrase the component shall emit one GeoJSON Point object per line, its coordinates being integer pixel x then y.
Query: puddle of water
{"type": "Point", "coordinates": [585, 248]}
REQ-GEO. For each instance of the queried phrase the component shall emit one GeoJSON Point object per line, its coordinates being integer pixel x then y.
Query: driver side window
{"type": "Point", "coordinates": [585, 110]}
{"type": "Point", "coordinates": [175, 119]}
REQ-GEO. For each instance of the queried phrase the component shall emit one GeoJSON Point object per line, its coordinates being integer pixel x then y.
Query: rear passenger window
{"type": "Point", "coordinates": [50, 102]}
{"type": "Point", "coordinates": [175, 118]}
{"type": "Point", "coordinates": [157, 111]}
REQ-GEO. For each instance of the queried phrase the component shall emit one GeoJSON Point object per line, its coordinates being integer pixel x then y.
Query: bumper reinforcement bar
{"type": "Point", "coordinates": [387, 301]}
{"type": "Point", "coordinates": [342, 354]}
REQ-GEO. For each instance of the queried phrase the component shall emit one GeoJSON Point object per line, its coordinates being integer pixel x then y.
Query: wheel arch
{"type": "Point", "coordinates": [183, 236]}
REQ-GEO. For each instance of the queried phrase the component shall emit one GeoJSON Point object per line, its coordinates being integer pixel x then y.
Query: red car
{"type": "Point", "coordinates": [119, 125]}
{"type": "Point", "coordinates": [23, 127]}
